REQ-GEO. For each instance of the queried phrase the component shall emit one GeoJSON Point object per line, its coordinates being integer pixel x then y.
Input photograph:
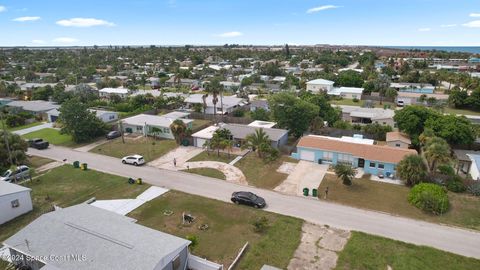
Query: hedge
{"type": "Point", "coordinates": [430, 198]}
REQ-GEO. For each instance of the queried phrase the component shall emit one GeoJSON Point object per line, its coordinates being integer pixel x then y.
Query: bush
{"type": "Point", "coordinates": [14, 120]}
{"type": "Point", "coordinates": [194, 240]}
{"type": "Point", "coordinates": [455, 184]}
{"type": "Point", "coordinates": [355, 100]}
{"type": "Point", "coordinates": [238, 113]}
{"type": "Point", "coordinates": [446, 170]}
{"type": "Point", "coordinates": [430, 198]}
{"type": "Point", "coordinates": [260, 225]}
{"type": "Point", "coordinates": [474, 188]}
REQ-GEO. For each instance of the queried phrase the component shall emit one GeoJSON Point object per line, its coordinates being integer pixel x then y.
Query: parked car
{"type": "Point", "coordinates": [248, 198]}
{"type": "Point", "coordinates": [22, 172]}
{"type": "Point", "coordinates": [136, 160]}
{"type": "Point", "coordinates": [400, 103]}
{"type": "Point", "coordinates": [38, 144]}
{"type": "Point", "coordinates": [113, 134]}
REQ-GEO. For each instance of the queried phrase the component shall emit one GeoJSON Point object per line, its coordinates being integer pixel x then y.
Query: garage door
{"type": "Point", "coordinates": [307, 155]}
{"type": "Point", "coordinates": [199, 142]}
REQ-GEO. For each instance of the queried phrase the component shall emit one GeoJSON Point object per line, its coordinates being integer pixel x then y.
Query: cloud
{"type": "Point", "coordinates": [2, 8]}
{"type": "Point", "coordinates": [27, 19]}
{"type": "Point", "coordinates": [447, 25]}
{"type": "Point", "coordinates": [426, 29]}
{"type": "Point", "coordinates": [320, 8]}
{"type": "Point", "coordinates": [475, 15]}
{"type": "Point", "coordinates": [84, 22]}
{"type": "Point", "coordinates": [66, 40]}
{"type": "Point", "coordinates": [38, 41]}
{"type": "Point", "coordinates": [472, 24]}
{"type": "Point", "coordinates": [231, 34]}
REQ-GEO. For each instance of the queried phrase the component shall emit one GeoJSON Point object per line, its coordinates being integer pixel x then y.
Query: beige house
{"type": "Point", "coordinates": [398, 139]}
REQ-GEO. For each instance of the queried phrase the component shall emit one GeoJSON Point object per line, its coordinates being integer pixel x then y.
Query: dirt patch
{"type": "Point", "coordinates": [318, 247]}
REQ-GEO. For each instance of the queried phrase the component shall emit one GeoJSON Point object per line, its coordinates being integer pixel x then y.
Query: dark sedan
{"type": "Point", "coordinates": [248, 198]}
{"type": "Point", "coordinates": [113, 135]}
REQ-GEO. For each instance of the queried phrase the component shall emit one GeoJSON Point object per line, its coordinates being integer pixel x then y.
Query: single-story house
{"type": "Point", "coordinates": [374, 159]}
{"type": "Point", "coordinates": [33, 86]}
{"type": "Point", "coordinates": [346, 92]}
{"type": "Point", "coordinates": [359, 115]}
{"type": "Point", "coordinates": [259, 103]}
{"type": "Point", "coordinates": [230, 103]}
{"type": "Point", "coordinates": [422, 88]}
{"type": "Point", "coordinates": [230, 86]}
{"type": "Point", "coordinates": [278, 137]}
{"type": "Point", "coordinates": [410, 98]}
{"type": "Point", "coordinates": [154, 125]}
{"type": "Point", "coordinates": [465, 160]}
{"type": "Point", "coordinates": [320, 85]}
{"type": "Point", "coordinates": [15, 200]}
{"type": "Point", "coordinates": [105, 116]}
{"type": "Point", "coordinates": [398, 139]}
{"type": "Point", "coordinates": [35, 107]}
{"type": "Point", "coordinates": [183, 82]}
{"type": "Point", "coordinates": [87, 237]}
{"type": "Point", "coordinates": [108, 92]}
{"type": "Point", "coordinates": [474, 170]}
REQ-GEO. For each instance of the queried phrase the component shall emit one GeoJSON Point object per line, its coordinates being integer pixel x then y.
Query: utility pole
{"type": "Point", "coordinates": [6, 138]}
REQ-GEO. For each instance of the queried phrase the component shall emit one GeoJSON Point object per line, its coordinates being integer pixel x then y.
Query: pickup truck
{"type": "Point", "coordinates": [38, 144]}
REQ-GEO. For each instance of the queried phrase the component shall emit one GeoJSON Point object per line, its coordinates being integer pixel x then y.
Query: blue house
{"type": "Point", "coordinates": [374, 159]}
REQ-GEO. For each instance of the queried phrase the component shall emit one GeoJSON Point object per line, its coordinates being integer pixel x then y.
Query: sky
{"type": "Point", "coordinates": [255, 22]}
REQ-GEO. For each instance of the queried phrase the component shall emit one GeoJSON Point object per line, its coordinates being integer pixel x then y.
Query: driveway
{"type": "Point", "coordinates": [32, 129]}
{"type": "Point", "coordinates": [460, 241]}
{"type": "Point", "coordinates": [181, 154]}
{"type": "Point", "coordinates": [305, 175]}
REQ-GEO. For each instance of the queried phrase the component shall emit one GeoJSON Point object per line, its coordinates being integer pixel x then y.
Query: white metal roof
{"type": "Point", "coordinates": [321, 81]}
{"type": "Point", "coordinates": [7, 188]}
{"type": "Point", "coordinates": [152, 120]}
{"type": "Point", "coordinates": [114, 90]}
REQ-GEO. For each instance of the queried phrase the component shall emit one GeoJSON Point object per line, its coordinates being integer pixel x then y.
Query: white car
{"type": "Point", "coordinates": [22, 172]}
{"type": "Point", "coordinates": [136, 160]}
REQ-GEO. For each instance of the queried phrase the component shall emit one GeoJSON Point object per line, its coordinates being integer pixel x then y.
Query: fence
{"type": "Point", "coordinates": [197, 263]}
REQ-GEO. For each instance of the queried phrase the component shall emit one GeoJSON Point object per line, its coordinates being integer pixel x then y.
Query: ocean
{"type": "Point", "coordinates": [475, 50]}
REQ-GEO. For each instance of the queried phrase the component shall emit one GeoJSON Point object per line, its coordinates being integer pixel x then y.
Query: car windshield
{"type": "Point", "coordinates": [7, 173]}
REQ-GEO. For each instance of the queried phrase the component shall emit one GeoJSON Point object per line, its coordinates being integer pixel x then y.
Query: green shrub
{"type": "Point", "coordinates": [474, 188]}
{"type": "Point", "coordinates": [446, 170]}
{"type": "Point", "coordinates": [355, 100]}
{"type": "Point", "coordinates": [260, 225]}
{"type": "Point", "coordinates": [455, 184]}
{"type": "Point", "coordinates": [430, 198]}
{"type": "Point", "coordinates": [238, 113]}
{"type": "Point", "coordinates": [14, 120]}
{"type": "Point", "coordinates": [194, 240]}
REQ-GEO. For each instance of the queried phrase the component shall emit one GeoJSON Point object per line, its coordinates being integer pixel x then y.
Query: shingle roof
{"type": "Point", "coordinates": [242, 131]}
{"type": "Point", "coordinates": [34, 105]}
{"type": "Point", "coordinates": [106, 239]}
{"type": "Point", "coordinates": [370, 152]}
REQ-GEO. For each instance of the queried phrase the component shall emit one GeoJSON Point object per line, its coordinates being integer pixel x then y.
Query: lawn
{"type": "Point", "coordinates": [464, 209]}
{"type": "Point", "coordinates": [149, 148]}
{"type": "Point", "coordinates": [365, 251]}
{"type": "Point", "coordinates": [207, 172]}
{"type": "Point", "coordinates": [53, 136]}
{"type": "Point", "coordinates": [35, 162]}
{"type": "Point", "coordinates": [212, 156]}
{"type": "Point", "coordinates": [460, 111]}
{"type": "Point", "coordinates": [199, 124]}
{"type": "Point", "coordinates": [65, 186]}
{"type": "Point", "coordinates": [260, 173]}
{"type": "Point", "coordinates": [230, 227]}
{"type": "Point", "coordinates": [20, 127]}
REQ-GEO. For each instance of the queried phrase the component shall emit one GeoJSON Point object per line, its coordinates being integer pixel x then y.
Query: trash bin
{"type": "Point", "coordinates": [131, 180]}
{"type": "Point", "coordinates": [84, 166]}
{"type": "Point", "coordinates": [76, 164]}
{"type": "Point", "coordinates": [314, 192]}
{"type": "Point", "coordinates": [305, 191]}
{"type": "Point", "coordinates": [139, 181]}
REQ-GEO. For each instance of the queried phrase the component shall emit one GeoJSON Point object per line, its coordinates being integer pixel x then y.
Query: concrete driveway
{"type": "Point", "coordinates": [32, 129]}
{"type": "Point", "coordinates": [305, 175]}
{"type": "Point", "coordinates": [453, 239]}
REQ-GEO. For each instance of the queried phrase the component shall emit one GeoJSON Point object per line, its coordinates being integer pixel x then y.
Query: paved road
{"type": "Point", "coordinates": [34, 128]}
{"type": "Point", "coordinates": [460, 241]}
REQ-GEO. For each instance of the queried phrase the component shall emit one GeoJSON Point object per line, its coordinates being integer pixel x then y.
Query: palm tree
{"type": "Point", "coordinates": [412, 169]}
{"type": "Point", "coordinates": [345, 172]}
{"type": "Point", "coordinates": [436, 151]}
{"type": "Point", "coordinates": [179, 129]}
{"type": "Point", "coordinates": [255, 140]}
{"type": "Point", "coordinates": [215, 88]}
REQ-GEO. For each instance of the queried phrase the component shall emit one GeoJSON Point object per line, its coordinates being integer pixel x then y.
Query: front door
{"type": "Point", "coordinates": [361, 162]}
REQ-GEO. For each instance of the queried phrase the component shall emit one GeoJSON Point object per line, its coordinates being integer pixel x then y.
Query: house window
{"type": "Point", "coordinates": [166, 130]}
{"type": "Point", "coordinates": [345, 158]}
{"type": "Point", "coordinates": [328, 156]}
{"type": "Point", "coordinates": [381, 166]}
{"type": "Point", "coordinates": [15, 203]}
{"type": "Point", "coordinates": [139, 128]}
{"type": "Point", "coordinates": [111, 117]}
{"type": "Point", "coordinates": [176, 263]}
{"type": "Point", "coordinates": [372, 164]}
{"type": "Point", "coordinates": [397, 145]}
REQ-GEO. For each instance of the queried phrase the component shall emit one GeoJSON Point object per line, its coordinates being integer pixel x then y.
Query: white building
{"type": "Point", "coordinates": [347, 92]}
{"type": "Point", "coordinates": [154, 125]}
{"type": "Point", "coordinates": [108, 92]}
{"type": "Point", "coordinates": [474, 170]}
{"type": "Point", "coordinates": [230, 103]}
{"type": "Point", "coordinates": [320, 85]}
{"type": "Point", "coordinates": [15, 200]}
{"type": "Point", "coordinates": [105, 116]}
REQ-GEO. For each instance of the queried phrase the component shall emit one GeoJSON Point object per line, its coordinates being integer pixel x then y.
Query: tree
{"type": "Point", "coordinates": [221, 140]}
{"type": "Point", "coordinates": [345, 172]}
{"type": "Point", "coordinates": [317, 125]}
{"type": "Point", "coordinates": [77, 121]}
{"type": "Point", "coordinates": [436, 151]}
{"type": "Point", "coordinates": [15, 153]}
{"type": "Point", "coordinates": [456, 130]}
{"type": "Point", "coordinates": [412, 170]}
{"type": "Point", "coordinates": [215, 88]}
{"type": "Point", "coordinates": [411, 120]}
{"type": "Point", "coordinates": [457, 98]}
{"type": "Point", "coordinates": [349, 78]}
{"type": "Point", "coordinates": [255, 141]}
{"type": "Point", "coordinates": [260, 114]}
{"type": "Point", "coordinates": [178, 129]}
{"type": "Point", "coordinates": [326, 111]}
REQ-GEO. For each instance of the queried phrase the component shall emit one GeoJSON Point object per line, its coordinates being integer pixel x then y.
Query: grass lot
{"type": "Point", "coordinates": [464, 209]}
{"type": "Point", "coordinates": [53, 136]}
{"type": "Point", "coordinates": [199, 124]}
{"type": "Point", "coordinates": [149, 148]}
{"type": "Point", "coordinates": [260, 173]}
{"type": "Point", "coordinates": [275, 246]}
{"type": "Point", "coordinates": [460, 111]}
{"type": "Point", "coordinates": [65, 186]}
{"type": "Point", "coordinates": [207, 172]}
{"type": "Point", "coordinates": [20, 127]}
{"type": "Point", "coordinates": [35, 162]}
{"type": "Point", "coordinates": [365, 251]}
{"type": "Point", "coordinates": [212, 156]}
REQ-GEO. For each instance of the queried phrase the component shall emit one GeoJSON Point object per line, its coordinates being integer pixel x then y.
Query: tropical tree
{"type": "Point", "coordinates": [436, 151]}
{"type": "Point", "coordinates": [255, 141]}
{"type": "Point", "coordinates": [179, 130]}
{"type": "Point", "coordinates": [215, 88]}
{"type": "Point", "coordinates": [412, 170]}
{"type": "Point", "coordinates": [12, 150]}
{"type": "Point", "coordinates": [345, 172]}
{"type": "Point", "coordinates": [221, 140]}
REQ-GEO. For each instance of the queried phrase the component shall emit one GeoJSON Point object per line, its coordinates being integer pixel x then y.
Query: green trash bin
{"type": "Point", "coordinates": [76, 164]}
{"type": "Point", "coordinates": [84, 166]}
{"type": "Point", "coordinates": [314, 192]}
{"type": "Point", "coordinates": [305, 191]}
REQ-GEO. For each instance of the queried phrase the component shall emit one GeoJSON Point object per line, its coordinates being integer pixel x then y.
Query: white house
{"type": "Point", "coordinates": [320, 85]}
{"type": "Point", "coordinates": [15, 200]}
{"type": "Point", "coordinates": [108, 92]}
{"type": "Point", "coordinates": [105, 116]}
{"type": "Point", "coordinates": [474, 170]}
{"type": "Point", "coordinates": [359, 115]}
{"type": "Point", "coordinates": [230, 103]}
{"type": "Point", "coordinates": [154, 125]}
{"type": "Point", "coordinates": [346, 92]}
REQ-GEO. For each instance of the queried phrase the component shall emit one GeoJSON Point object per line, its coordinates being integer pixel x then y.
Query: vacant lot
{"type": "Point", "coordinates": [365, 251]}
{"type": "Point", "coordinates": [230, 227]}
{"type": "Point", "coordinates": [464, 209]}
{"type": "Point", "coordinates": [213, 156]}
{"type": "Point", "coordinates": [66, 186]}
{"type": "Point", "coordinates": [207, 172]}
{"type": "Point", "coordinates": [149, 148]}
{"type": "Point", "coordinates": [260, 173]}
{"type": "Point", "coordinates": [53, 136]}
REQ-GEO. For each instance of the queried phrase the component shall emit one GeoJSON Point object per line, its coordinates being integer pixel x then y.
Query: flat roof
{"type": "Point", "coordinates": [345, 90]}
{"type": "Point", "coordinates": [152, 120]}
{"type": "Point", "coordinates": [262, 124]}
{"type": "Point", "coordinates": [321, 81]}
{"type": "Point", "coordinates": [373, 113]}
{"type": "Point", "coordinates": [242, 131]}
{"type": "Point", "coordinates": [114, 90]}
{"type": "Point", "coordinates": [34, 105]}
{"type": "Point", "coordinates": [7, 188]}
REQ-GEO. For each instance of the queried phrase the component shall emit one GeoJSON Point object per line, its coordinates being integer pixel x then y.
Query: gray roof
{"type": "Point", "coordinates": [242, 131]}
{"type": "Point", "coordinates": [106, 239]}
{"type": "Point", "coordinates": [7, 188]}
{"type": "Point", "coordinates": [462, 154]}
{"type": "Point", "coordinates": [228, 101]}
{"type": "Point", "coordinates": [34, 105]}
